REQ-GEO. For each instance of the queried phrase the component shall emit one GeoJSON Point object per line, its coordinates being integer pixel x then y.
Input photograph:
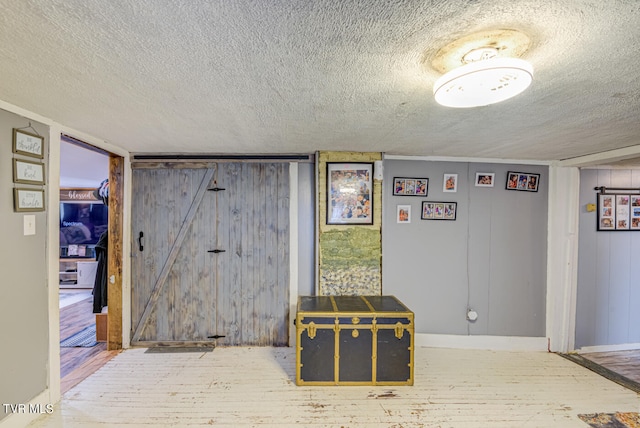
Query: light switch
{"type": "Point", "coordinates": [29, 225]}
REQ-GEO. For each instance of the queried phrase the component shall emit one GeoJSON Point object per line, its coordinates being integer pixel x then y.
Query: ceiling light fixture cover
{"type": "Point", "coordinates": [484, 82]}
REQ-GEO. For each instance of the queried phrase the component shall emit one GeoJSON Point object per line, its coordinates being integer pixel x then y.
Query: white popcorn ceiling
{"type": "Point", "coordinates": [282, 76]}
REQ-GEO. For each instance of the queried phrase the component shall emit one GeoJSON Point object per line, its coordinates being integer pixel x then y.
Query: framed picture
{"type": "Point", "coordinates": [28, 200]}
{"type": "Point", "coordinates": [28, 144]}
{"type": "Point", "coordinates": [606, 213]}
{"type": "Point", "coordinates": [410, 186]}
{"type": "Point", "coordinates": [618, 212]}
{"type": "Point", "coordinates": [403, 214]}
{"type": "Point", "coordinates": [349, 193]}
{"type": "Point", "coordinates": [485, 179]}
{"type": "Point", "coordinates": [450, 183]}
{"type": "Point", "coordinates": [28, 172]}
{"type": "Point", "coordinates": [622, 212]}
{"type": "Point", "coordinates": [523, 181]}
{"type": "Point", "coordinates": [439, 210]}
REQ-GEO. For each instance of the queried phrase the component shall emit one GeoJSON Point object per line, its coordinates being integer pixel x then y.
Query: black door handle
{"type": "Point", "coordinates": [140, 246]}
{"type": "Point", "coordinates": [216, 251]}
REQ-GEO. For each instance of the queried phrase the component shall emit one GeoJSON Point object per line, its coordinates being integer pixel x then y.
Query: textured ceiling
{"type": "Point", "coordinates": [281, 76]}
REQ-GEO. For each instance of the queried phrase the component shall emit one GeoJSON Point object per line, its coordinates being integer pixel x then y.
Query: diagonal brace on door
{"type": "Point", "coordinates": [173, 254]}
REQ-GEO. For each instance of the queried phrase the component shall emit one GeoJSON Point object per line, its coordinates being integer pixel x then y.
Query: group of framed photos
{"type": "Point", "coordinates": [430, 211]}
{"type": "Point", "coordinates": [618, 211]}
{"type": "Point", "coordinates": [350, 193]}
{"type": "Point", "coordinates": [30, 172]}
{"type": "Point", "coordinates": [413, 186]}
{"type": "Point", "coordinates": [418, 186]}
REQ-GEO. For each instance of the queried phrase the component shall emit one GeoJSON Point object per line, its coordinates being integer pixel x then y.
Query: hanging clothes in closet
{"type": "Point", "coordinates": [100, 286]}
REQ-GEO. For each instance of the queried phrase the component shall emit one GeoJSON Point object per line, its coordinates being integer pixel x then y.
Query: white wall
{"type": "Point", "coordinates": [82, 167]}
{"type": "Point", "coordinates": [306, 229]}
{"type": "Point", "coordinates": [608, 295]}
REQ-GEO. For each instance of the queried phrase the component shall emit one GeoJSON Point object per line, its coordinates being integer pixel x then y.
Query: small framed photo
{"type": "Point", "coordinates": [450, 183]}
{"type": "Point", "coordinates": [403, 186]}
{"type": "Point", "coordinates": [28, 200]}
{"type": "Point", "coordinates": [622, 212]}
{"type": "Point", "coordinates": [485, 179]}
{"type": "Point", "coordinates": [25, 143]}
{"type": "Point", "coordinates": [349, 193]}
{"type": "Point", "coordinates": [606, 213]}
{"type": "Point", "coordinates": [27, 172]}
{"type": "Point", "coordinates": [522, 181]}
{"type": "Point", "coordinates": [439, 210]}
{"type": "Point", "coordinates": [403, 214]}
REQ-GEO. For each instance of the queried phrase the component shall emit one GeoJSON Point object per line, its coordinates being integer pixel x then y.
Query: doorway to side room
{"type": "Point", "coordinates": [83, 220]}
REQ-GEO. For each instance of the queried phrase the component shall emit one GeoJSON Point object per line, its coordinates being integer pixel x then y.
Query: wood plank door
{"type": "Point", "coordinates": [212, 263]}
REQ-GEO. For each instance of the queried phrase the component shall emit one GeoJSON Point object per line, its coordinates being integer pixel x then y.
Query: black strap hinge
{"type": "Point", "coordinates": [216, 251]}
{"type": "Point", "coordinates": [216, 189]}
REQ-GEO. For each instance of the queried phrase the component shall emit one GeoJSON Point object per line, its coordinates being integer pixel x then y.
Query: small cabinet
{"type": "Point", "coordinates": [77, 273]}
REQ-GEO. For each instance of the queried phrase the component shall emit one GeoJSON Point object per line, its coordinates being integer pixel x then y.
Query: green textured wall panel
{"type": "Point", "coordinates": [350, 256]}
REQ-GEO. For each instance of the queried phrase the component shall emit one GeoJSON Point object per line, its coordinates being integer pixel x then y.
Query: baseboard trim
{"type": "Point", "coordinates": [493, 343]}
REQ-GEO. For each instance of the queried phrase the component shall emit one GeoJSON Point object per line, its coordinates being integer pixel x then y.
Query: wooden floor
{"type": "Point", "coordinates": [237, 387]}
{"type": "Point", "coordinates": [624, 363]}
{"type": "Point", "coordinates": [622, 367]}
{"type": "Point", "coordinates": [78, 363]}
{"type": "Point", "coordinates": [255, 387]}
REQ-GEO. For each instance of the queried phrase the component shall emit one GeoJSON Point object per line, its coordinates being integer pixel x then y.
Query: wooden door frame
{"type": "Point", "coordinates": [115, 252]}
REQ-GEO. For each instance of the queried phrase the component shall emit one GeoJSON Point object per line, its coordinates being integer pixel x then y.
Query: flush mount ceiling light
{"type": "Point", "coordinates": [490, 71]}
{"type": "Point", "coordinates": [484, 82]}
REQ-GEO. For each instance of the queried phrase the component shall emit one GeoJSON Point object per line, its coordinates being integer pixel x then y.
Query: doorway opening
{"type": "Point", "coordinates": [84, 222]}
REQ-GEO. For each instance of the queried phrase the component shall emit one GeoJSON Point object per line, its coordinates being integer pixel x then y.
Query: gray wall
{"type": "Point", "coordinates": [24, 303]}
{"type": "Point", "coordinates": [608, 294]}
{"type": "Point", "coordinates": [492, 258]}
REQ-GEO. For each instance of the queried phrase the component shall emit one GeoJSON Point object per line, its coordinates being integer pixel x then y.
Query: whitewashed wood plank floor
{"type": "Point", "coordinates": [255, 387]}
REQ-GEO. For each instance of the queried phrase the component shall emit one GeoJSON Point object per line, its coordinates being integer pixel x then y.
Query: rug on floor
{"type": "Point", "coordinates": [85, 338]}
{"type": "Point", "coordinates": [68, 298]}
{"type": "Point", "coordinates": [612, 420]}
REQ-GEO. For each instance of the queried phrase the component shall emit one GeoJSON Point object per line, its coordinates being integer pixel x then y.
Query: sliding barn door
{"type": "Point", "coordinates": [210, 258]}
